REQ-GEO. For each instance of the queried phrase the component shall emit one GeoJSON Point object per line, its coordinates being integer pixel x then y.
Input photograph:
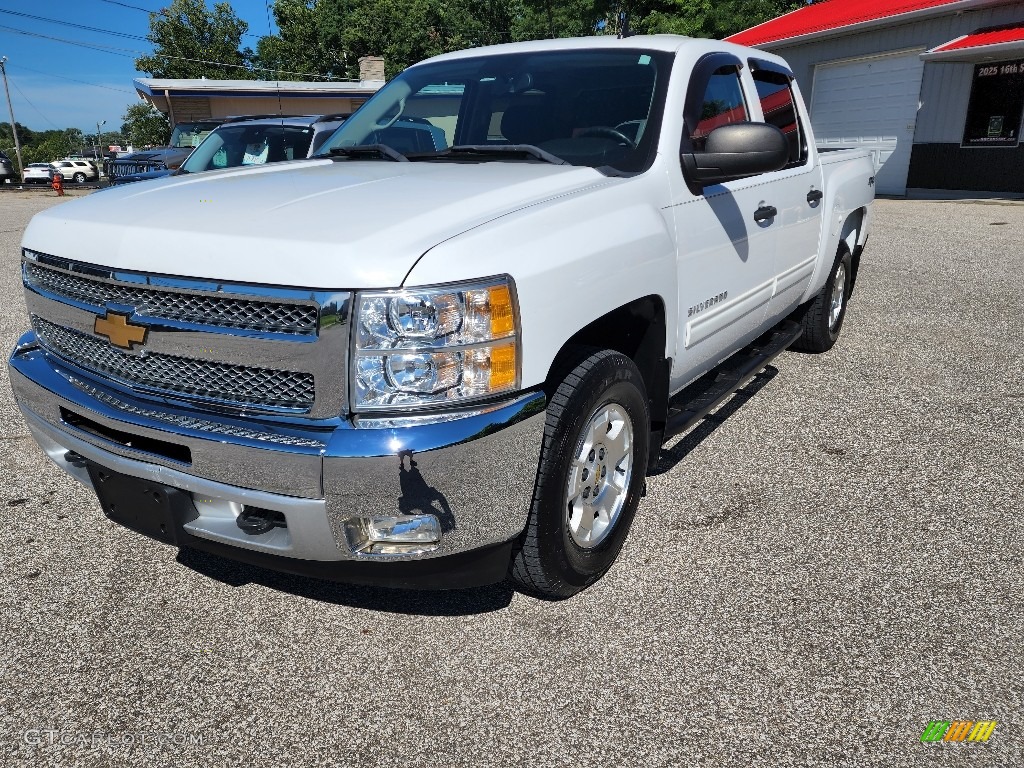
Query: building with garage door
{"type": "Point", "coordinates": [934, 88]}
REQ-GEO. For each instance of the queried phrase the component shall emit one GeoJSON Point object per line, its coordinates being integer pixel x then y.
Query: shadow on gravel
{"type": "Point", "coordinates": [671, 457]}
{"type": "Point", "coordinates": [456, 602]}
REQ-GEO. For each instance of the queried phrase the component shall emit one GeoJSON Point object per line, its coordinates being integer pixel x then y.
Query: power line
{"type": "Point", "coordinates": [34, 106]}
{"type": "Point", "coordinates": [129, 52]}
{"type": "Point", "coordinates": [133, 7]}
{"type": "Point", "coordinates": [72, 24]}
{"type": "Point", "coordinates": [73, 80]}
{"type": "Point", "coordinates": [157, 13]}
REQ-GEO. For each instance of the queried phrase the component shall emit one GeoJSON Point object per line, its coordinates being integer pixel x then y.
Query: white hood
{"type": "Point", "coordinates": [317, 224]}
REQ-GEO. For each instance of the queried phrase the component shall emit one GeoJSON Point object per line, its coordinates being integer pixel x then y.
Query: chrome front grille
{"type": "Point", "coordinates": [173, 375]}
{"type": "Point", "coordinates": [238, 347]}
{"type": "Point", "coordinates": [207, 309]}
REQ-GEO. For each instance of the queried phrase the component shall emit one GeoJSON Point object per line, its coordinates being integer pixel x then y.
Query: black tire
{"type": "Point", "coordinates": [549, 562]}
{"type": "Point", "coordinates": [79, 178]}
{"type": "Point", "coordinates": [821, 331]}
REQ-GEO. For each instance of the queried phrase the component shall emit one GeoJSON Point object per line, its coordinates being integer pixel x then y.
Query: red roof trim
{"type": "Point", "coordinates": [991, 36]}
{"type": "Point", "coordinates": [834, 15]}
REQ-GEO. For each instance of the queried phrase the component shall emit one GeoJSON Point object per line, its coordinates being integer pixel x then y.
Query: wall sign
{"type": "Point", "coordinates": [997, 102]}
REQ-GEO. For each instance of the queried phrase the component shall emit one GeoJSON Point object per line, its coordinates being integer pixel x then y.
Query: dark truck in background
{"type": "Point", "coordinates": [184, 138]}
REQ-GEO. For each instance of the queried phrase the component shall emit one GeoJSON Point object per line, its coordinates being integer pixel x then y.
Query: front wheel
{"type": "Point", "coordinates": [822, 317]}
{"type": "Point", "coordinates": [591, 477]}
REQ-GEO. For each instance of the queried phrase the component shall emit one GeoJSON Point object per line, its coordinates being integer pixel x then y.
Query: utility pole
{"type": "Point", "coordinates": [14, 128]}
{"type": "Point", "coordinates": [98, 160]}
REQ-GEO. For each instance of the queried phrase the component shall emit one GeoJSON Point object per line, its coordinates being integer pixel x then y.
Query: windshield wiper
{"type": "Point", "coordinates": [483, 150]}
{"type": "Point", "coordinates": [378, 150]}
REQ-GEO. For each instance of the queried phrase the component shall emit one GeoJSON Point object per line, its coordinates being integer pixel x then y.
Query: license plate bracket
{"type": "Point", "coordinates": [149, 508]}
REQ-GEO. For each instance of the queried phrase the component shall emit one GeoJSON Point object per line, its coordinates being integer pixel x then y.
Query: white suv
{"type": "Point", "coordinates": [76, 170]}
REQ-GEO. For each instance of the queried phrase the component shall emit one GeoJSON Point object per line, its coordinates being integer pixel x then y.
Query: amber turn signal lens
{"type": "Point", "coordinates": [503, 367]}
{"type": "Point", "coordinates": [502, 317]}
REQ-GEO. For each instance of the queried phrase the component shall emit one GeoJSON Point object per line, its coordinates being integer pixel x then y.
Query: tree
{"type": "Point", "coordinates": [144, 125]}
{"type": "Point", "coordinates": [712, 18]}
{"type": "Point", "coordinates": [309, 43]}
{"type": "Point", "coordinates": [327, 37]}
{"type": "Point", "coordinates": [192, 42]}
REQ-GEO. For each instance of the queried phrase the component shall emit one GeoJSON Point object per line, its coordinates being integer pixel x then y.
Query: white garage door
{"type": "Point", "coordinates": [871, 104]}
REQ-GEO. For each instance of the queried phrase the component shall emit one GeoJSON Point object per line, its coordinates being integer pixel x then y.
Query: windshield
{"type": "Point", "coordinates": [587, 107]}
{"type": "Point", "coordinates": [231, 146]}
{"type": "Point", "coordinates": [186, 135]}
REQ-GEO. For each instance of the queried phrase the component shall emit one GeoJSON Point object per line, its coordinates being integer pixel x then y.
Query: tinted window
{"type": "Point", "coordinates": [587, 107]}
{"type": "Point", "coordinates": [779, 107]}
{"type": "Point", "coordinates": [723, 104]}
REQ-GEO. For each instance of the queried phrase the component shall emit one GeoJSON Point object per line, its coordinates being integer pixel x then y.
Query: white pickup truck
{"type": "Point", "coordinates": [448, 349]}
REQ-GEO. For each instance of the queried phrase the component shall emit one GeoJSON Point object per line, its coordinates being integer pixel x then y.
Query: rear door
{"type": "Point", "coordinates": [726, 258]}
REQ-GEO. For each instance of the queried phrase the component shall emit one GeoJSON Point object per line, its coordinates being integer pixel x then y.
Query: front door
{"type": "Point", "coordinates": [726, 238]}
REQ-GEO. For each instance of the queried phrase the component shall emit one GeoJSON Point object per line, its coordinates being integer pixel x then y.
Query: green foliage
{"type": "Point", "coordinates": [712, 18]}
{"type": "Point", "coordinates": [309, 43]}
{"type": "Point", "coordinates": [144, 126]}
{"type": "Point", "coordinates": [191, 41]}
{"type": "Point", "coordinates": [25, 136]}
{"type": "Point", "coordinates": [46, 146]}
{"type": "Point", "coordinates": [327, 37]}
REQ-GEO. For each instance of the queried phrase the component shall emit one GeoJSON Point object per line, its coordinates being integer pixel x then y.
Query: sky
{"type": "Point", "coordinates": [61, 85]}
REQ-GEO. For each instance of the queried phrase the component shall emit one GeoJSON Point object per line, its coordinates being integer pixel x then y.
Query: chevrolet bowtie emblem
{"type": "Point", "coordinates": [119, 331]}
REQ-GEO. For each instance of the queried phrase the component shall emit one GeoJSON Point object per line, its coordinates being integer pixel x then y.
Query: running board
{"type": "Point", "coordinates": [692, 404]}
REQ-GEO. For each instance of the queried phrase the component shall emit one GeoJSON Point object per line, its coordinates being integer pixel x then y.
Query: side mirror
{"type": "Point", "coordinates": [736, 151]}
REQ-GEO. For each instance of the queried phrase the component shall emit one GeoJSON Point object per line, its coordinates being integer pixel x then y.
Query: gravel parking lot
{"type": "Point", "coordinates": [827, 564]}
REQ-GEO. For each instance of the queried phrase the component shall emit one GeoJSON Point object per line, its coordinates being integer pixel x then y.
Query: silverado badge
{"type": "Point", "coordinates": [119, 331]}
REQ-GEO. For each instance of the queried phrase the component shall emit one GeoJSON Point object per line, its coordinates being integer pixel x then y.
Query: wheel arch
{"type": "Point", "coordinates": [854, 235]}
{"type": "Point", "coordinates": [851, 232]}
{"type": "Point", "coordinates": [639, 330]}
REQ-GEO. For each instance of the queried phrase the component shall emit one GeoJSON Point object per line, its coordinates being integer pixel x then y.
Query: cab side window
{"type": "Point", "coordinates": [778, 105]}
{"type": "Point", "coordinates": [723, 103]}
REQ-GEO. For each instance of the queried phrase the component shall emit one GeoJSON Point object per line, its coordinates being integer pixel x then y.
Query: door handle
{"type": "Point", "coordinates": [765, 212]}
{"type": "Point", "coordinates": [814, 196]}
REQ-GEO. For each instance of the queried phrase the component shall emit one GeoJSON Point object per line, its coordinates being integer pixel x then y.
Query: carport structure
{"type": "Point", "coordinates": [934, 88]}
{"type": "Point", "coordinates": [188, 100]}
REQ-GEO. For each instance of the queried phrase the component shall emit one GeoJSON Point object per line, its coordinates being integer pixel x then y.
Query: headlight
{"type": "Point", "coordinates": [428, 346]}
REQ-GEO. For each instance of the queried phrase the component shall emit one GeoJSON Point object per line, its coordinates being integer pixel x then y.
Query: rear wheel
{"type": "Point", "coordinates": [79, 178]}
{"type": "Point", "coordinates": [822, 317]}
{"type": "Point", "coordinates": [591, 477]}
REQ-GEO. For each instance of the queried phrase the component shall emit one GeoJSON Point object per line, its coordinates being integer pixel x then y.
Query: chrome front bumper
{"type": "Point", "coordinates": [474, 470]}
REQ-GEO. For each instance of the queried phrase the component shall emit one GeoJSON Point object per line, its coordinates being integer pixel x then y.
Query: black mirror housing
{"type": "Point", "coordinates": [736, 151]}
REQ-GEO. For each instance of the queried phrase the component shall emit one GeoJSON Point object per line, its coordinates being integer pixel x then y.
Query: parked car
{"type": "Point", "coordinates": [435, 366]}
{"type": "Point", "coordinates": [39, 173]}
{"type": "Point", "coordinates": [78, 171]}
{"type": "Point", "coordinates": [7, 172]}
{"type": "Point", "coordinates": [251, 142]}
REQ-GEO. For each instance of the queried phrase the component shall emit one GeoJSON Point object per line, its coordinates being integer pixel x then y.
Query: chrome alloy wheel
{"type": "Point", "coordinates": [599, 475]}
{"type": "Point", "coordinates": [838, 295]}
